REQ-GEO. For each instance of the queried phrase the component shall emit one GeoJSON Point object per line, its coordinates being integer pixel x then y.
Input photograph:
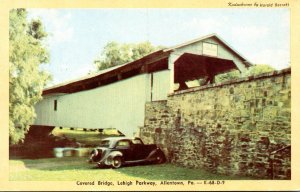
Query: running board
{"type": "Point", "coordinates": [137, 161]}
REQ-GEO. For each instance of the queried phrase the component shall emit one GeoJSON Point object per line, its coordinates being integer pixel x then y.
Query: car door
{"type": "Point", "coordinates": [124, 146]}
{"type": "Point", "coordinates": [138, 150]}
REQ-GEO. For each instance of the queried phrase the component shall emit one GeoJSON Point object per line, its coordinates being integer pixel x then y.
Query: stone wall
{"type": "Point", "coordinates": [242, 127]}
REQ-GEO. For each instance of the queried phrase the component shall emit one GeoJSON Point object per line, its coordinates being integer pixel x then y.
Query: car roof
{"type": "Point", "coordinates": [116, 138]}
{"type": "Point", "coordinates": [120, 138]}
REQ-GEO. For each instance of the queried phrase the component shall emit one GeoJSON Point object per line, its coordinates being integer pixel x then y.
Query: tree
{"type": "Point", "coordinates": [259, 69]}
{"type": "Point", "coordinates": [253, 70]}
{"type": "Point", "coordinates": [115, 53]}
{"type": "Point", "coordinates": [235, 74]}
{"type": "Point", "coordinates": [26, 80]}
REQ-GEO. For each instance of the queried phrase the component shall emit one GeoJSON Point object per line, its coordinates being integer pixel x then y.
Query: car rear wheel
{"type": "Point", "coordinates": [160, 159]}
{"type": "Point", "coordinates": [117, 162]}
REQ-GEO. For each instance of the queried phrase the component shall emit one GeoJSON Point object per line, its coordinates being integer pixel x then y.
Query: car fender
{"type": "Point", "coordinates": [110, 156]}
{"type": "Point", "coordinates": [154, 153]}
{"type": "Point", "coordinates": [95, 155]}
{"type": "Point", "coordinates": [115, 153]}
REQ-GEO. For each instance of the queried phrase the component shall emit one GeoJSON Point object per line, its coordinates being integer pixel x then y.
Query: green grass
{"type": "Point", "coordinates": [76, 168]}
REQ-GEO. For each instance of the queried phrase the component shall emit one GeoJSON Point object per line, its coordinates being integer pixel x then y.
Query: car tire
{"type": "Point", "coordinates": [117, 162]}
{"type": "Point", "coordinates": [160, 159]}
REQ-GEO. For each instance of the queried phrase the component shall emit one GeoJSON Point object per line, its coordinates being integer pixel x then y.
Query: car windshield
{"type": "Point", "coordinates": [105, 143]}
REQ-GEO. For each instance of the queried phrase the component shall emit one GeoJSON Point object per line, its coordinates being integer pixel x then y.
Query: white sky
{"type": "Point", "coordinates": [77, 36]}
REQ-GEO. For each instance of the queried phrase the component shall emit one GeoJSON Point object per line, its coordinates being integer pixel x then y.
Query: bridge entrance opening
{"type": "Point", "coordinates": [196, 70]}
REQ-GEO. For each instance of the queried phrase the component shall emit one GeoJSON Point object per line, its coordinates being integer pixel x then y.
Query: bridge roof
{"type": "Point", "coordinates": [152, 62]}
{"type": "Point", "coordinates": [155, 61]}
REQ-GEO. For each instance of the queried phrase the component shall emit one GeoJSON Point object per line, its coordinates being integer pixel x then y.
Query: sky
{"type": "Point", "coordinates": [77, 36]}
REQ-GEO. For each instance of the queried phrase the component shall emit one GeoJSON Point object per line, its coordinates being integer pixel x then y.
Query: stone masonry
{"type": "Point", "coordinates": [241, 127]}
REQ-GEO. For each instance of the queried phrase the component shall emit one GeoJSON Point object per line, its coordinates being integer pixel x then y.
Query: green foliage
{"type": "Point", "coordinates": [227, 76]}
{"type": "Point", "coordinates": [115, 53]}
{"type": "Point", "coordinates": [26, 80]}
{"type": "Point", "coordinates": [259, 69]}
{"type": "Point", "coordinates": [254, 70]}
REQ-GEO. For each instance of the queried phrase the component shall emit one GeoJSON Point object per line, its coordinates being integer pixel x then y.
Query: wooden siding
{"type": "Point", "coordinates": [161, 85]}
{"type": "Point", "coordinates": [119, 105]}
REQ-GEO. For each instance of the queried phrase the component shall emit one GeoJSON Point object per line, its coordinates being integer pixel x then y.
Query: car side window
{"type": "Point", "coordinates": [123, 144]}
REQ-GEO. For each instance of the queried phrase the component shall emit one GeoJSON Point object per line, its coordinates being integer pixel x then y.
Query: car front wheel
{"type": "Point", "coordinates": [117, 162]}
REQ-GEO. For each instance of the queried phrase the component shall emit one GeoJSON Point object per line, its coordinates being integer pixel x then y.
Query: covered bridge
{"type": "Point", "coordinates": [116, 97]}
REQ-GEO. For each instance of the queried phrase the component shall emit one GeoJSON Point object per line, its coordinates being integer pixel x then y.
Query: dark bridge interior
{"type": "Point", "coordinates": [192, 67]}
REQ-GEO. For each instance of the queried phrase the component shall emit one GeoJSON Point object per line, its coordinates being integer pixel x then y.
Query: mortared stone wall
{"type": "Point", "coordinates": [241, 127]}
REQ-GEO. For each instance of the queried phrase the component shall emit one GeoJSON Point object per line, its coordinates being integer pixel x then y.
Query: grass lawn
{"type": "Point", "coordinates": [76, 168]}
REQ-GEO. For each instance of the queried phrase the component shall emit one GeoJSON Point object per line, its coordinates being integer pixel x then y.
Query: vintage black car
{"type": "Point", "coordinates": [118, 151]}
